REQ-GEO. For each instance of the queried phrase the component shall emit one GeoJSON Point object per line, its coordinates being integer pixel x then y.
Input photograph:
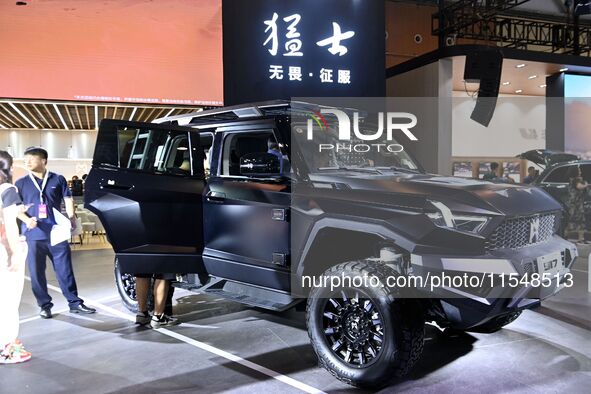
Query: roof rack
{"type": "Point", "coordinates": [245, 111]}
{"type": "Point", "coordinates": [225, 113]}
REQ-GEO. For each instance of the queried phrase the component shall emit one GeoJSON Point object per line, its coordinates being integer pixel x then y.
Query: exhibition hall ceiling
{"type": "Point", "coordinates": [546, 7]}
{"type": "Point", "coordinates": [518, 76]}
{"type": "Point", "coordinates": [67, 64]}
{"type": "Point", "coordinates": [51, 115]}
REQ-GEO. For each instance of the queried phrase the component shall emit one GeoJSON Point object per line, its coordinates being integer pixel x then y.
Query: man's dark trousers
{"type": "Point", "coordinates": [61, 257]}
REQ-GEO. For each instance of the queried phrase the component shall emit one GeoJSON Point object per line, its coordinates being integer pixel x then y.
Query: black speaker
{"type": "Point", "coordinates": [484, 66]}
{"type": "Point", "coordinates": [583, 8]}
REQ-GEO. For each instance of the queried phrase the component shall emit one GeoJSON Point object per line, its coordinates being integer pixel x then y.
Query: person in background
{"type": "Point", "coordinates": [13, 252]}
{"type": "Point", "coordinates": [502, 178]}
{"type": "Point", "coordinates": [77, 188]}
{"type": "Point", "coordinates": [531, 175]}
{"type": "Point", "coordinates": [273, 149]}
{"type": "Point", "coordinates": [577, 190]}
{"type": "Point", "coordinates": [496, 174]}
{"type": "Point", "coordinates": [43, 191]}
{"type": "Point", "coordinates": [493, 173]}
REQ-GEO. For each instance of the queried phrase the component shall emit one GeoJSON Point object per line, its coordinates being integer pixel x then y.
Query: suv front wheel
{"type": "Point", "coordinates": [364, 336]}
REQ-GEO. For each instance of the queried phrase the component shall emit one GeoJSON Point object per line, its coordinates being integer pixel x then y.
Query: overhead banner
{"type": "Point", "coordinates": [282, 49]}
{"type": "Point", "coordinates": [129, 51]}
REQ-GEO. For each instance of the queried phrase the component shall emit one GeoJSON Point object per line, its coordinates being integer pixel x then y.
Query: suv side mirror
{"type": "Point", "coordinates": [260, 165]}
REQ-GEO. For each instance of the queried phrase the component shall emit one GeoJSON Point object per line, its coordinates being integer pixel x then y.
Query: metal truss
{"type": "Point", "coordinates": [520, 33]}
{"type": "Point", "coordinates": [462, 13]}
{"type": "Point", "coordinates": [483, 20]}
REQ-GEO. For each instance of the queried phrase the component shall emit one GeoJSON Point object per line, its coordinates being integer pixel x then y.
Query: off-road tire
{"type": "Point", "coordinates": [403, 329]}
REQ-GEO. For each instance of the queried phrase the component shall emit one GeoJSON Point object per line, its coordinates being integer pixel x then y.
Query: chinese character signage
{"type": "Point", "coordinates": [278, 49]}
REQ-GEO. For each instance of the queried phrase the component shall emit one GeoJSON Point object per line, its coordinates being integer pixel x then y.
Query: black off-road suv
{"type": "Point", "coordinates": [232, 201]}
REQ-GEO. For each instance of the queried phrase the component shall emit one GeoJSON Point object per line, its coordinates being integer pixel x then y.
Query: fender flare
{"type": "Point", "coordinates": [373, 228]}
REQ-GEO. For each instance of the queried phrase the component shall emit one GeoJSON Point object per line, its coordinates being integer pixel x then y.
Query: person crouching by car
{"type": "Point", "coordinates": [577, 189]}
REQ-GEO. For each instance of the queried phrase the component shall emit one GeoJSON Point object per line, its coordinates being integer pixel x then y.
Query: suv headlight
{"type": "Point", "coordinates": [444, 217]}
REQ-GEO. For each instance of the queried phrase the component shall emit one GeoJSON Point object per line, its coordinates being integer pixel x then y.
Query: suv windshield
{"type": "Point", "coordinates": [325, 152]}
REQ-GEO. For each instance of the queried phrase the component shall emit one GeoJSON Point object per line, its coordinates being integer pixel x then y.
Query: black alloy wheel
{"type": "Point", "coordinates": [126, 288]}
{"type": "Point", "coordinates": [353, 328]}
{"type": "Point", "coordinates": [364, 336]}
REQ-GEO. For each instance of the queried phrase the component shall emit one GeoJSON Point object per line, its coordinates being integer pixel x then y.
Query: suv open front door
{"type": "Point", "coordinates": [146, 187]}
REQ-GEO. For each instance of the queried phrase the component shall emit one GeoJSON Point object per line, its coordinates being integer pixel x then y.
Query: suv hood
{"type": "Point", "coordinates": [546, 157]}
{"type": "Point", "coordinates": [415, 190]}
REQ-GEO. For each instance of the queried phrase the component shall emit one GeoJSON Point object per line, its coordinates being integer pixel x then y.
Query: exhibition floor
{"type": "Point", "coordinates": [222, 346]}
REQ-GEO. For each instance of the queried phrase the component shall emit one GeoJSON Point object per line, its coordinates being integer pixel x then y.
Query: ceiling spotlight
{"type": "Point", "coordinates": [563, 69]}
{"type": "Point", "coordinates": [543, 86]}
{"type": "Point", "coordinates": [520, 65]}
{"type": "Point", "coordinates": [519, 91]}
{"type": "Point", "coordinates": [506, 83]}
{"type": "Point", "coordinates": [532, 77]}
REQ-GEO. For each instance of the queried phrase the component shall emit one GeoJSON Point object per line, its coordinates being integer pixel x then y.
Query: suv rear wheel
{"type": "Point", "coordinates": [126, 289]}
{"type": "Point", "coordinates": [364, 336]}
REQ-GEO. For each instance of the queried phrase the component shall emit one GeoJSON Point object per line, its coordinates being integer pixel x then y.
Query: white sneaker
{"type": "Point", "coordinates": [163, 321]}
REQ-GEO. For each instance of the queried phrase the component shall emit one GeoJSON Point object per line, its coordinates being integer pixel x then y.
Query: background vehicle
{"type": "Point", "coordinates": [554, 176]}
{"type": "Point", "coordinates": [211, 203]}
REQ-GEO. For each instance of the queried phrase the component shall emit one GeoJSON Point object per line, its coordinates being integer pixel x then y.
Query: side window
{"type": "Point", "coordinates": [586, 172]}
{"type": "Point", "coordinates": [157, 151]}
{"type": "Point", "coordinates": [237, 145]}
{"type": "Point", "coordinates": [558, 175]}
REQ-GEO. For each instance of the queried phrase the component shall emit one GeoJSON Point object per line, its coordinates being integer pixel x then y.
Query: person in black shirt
{"type": "Point", "coordinates": [493, 173]}
{"type": "Point", "coordinates": [77, 188]}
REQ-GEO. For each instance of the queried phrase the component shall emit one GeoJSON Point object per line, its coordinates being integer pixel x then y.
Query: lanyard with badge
{"type": "Point", "coordinates": [42, 211]}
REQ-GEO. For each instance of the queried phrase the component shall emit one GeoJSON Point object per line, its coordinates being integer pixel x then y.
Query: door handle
{"type": "Point", "coordinates": [113, 186]}
{"type": "Point", "coordinates": [215, 197]}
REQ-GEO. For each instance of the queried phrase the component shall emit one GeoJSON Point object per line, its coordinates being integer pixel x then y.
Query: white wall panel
{"type": "Point", "coordinates": [57, 143]}
{"type": "Point", "coordinates": [518, 125]}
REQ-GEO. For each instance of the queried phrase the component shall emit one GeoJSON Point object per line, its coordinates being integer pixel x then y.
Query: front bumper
{"type": "Point", "coordinates": [504, 280]}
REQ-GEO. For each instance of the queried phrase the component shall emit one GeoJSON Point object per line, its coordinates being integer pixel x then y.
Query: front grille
{"type": "Point", "coordinates": [529, 268]}
{"type": "Point", "coordinates": [515, 233]}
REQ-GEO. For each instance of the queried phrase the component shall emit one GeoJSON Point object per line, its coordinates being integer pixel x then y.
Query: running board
{"type": "Point", "coordinates": [250, 295]}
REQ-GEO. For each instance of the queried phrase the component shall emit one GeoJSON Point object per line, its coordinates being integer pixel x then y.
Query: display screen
{"type": "Point", "coordinates": [577, 115]}
{"type": "Point", "coordinates": [304, 48]}
{"type": "Point", "coordinates": [136, 51]}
